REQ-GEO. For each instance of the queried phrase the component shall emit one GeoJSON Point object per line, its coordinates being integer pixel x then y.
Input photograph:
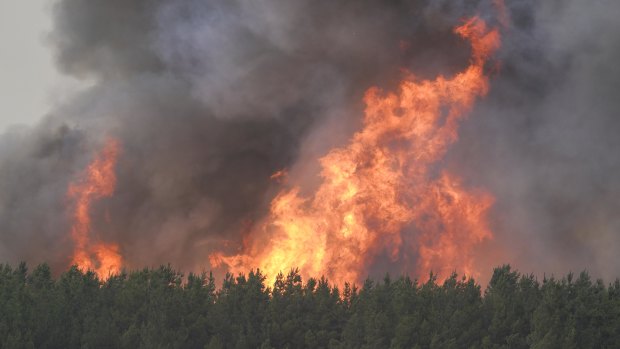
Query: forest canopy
{"type": "Point", "coordinates": [163, 308]}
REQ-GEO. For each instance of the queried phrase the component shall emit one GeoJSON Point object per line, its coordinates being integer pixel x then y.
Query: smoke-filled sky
{"type": "Point", "coordinates": [209, 98]}
{"type": "Point", "coordinates": [29, 83]}
{"type": "Point", "coordinates": [22, 95]}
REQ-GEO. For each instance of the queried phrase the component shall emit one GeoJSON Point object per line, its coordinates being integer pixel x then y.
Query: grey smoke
{"type": "Point", "coordinates": [545, 141]}
{"type": "Point", "coordinates": [209, 98]}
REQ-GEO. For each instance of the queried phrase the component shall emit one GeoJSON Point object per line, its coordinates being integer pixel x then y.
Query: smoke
{"type": "Point", "coordinates": [545, 140]}
{"type": "Point", "coordinates": [209, 98]}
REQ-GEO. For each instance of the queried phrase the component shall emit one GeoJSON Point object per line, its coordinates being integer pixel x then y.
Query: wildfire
{"type": "Point", "coordinates": [382, 194]}
{"type": "Point", "coordinates": [97, 181]}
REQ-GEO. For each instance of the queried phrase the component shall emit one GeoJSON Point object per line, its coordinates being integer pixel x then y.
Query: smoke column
{"type": "Point", "coordinates": [210, 99]}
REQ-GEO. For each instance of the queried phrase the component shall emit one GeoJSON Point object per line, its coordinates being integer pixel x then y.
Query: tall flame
{"type": "Point", "coordinates": [97, 181]}
{"type": "Point", "coordinates": [382, 194]}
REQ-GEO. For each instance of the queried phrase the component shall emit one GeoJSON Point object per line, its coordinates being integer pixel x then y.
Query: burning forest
{"type": "Point", "coordinates": [346, 139]}
{"type": "Point", "coordinates": [300, 151]}
{"type": "Point", "coordinates": [378, 193]}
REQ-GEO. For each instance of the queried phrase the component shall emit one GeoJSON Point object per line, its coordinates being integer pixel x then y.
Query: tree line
{"type": "Point", "coordinates": [160, 308]}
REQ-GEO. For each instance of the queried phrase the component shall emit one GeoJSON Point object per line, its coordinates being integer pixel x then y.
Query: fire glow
{"type": "Point", "coordinates": [98, 181]}
{"type": "Point", "coordinates": [381, 193]}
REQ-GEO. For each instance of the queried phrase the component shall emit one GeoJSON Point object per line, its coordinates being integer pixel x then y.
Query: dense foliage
{"type": "Point", "coordinates": [159, 308]}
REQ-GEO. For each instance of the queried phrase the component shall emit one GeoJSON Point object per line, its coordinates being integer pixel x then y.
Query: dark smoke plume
{"type": "Point", "coordinates": [209, 98]}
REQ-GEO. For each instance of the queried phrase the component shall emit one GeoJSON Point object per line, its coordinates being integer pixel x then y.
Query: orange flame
{"type": "Point", "coordinates": [98, 181]}
{"type": "Point", "coordinates": [279, 176]}
{"type": "Point", "coordinates": [381, 194]}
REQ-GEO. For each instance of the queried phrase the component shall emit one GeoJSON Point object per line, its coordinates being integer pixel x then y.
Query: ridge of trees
{"type": "Point", "coordinates": [159, 308]}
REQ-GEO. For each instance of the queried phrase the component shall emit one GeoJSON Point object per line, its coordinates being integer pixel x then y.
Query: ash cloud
{"type": "Point", "coordinates": [209, 98]}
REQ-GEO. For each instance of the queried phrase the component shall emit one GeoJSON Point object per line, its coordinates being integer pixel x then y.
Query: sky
{"type": "Point", "coordinates": [29, 81]}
